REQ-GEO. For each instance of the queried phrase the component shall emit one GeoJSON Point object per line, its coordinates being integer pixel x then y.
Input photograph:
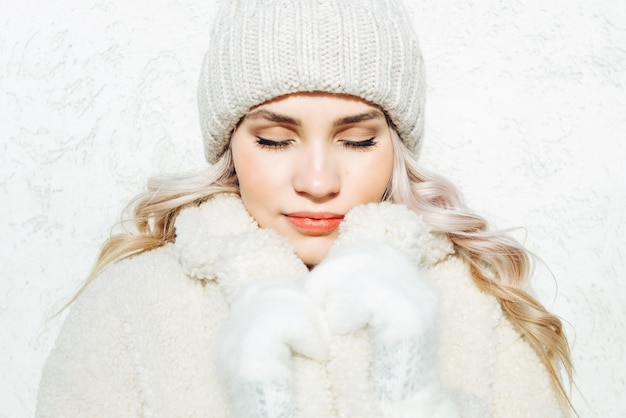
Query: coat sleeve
{"type": "Point", "coordinates": [522, 386]}
{"type": "Point", "coordinates": [90, 372]}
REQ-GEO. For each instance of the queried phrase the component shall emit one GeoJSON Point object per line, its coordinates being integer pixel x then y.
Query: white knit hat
{"type": "Point", "coordinates": [262, 49]}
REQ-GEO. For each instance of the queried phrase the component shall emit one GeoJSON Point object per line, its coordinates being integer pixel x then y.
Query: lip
{"type": "Point", "coordinates": [315, 223]}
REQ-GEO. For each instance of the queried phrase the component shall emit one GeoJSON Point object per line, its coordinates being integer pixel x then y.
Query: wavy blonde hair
{"type": "Point", "coordinates": [499, 265]}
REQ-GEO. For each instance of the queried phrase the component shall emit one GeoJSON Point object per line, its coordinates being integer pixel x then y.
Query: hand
{"type": "Point", "coordinates": [268, 322]}
{"type": "Point", "coordinates": [378, 288]}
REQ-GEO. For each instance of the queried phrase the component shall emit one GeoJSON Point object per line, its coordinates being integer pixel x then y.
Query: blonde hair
{"type": "Point", "coordinates": [499, 265]}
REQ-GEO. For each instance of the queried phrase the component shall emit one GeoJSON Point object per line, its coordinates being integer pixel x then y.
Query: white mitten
{"type": "Point", "coordinates": [268, 322]}
{"type": "Point", "coordinates": [377, 287]}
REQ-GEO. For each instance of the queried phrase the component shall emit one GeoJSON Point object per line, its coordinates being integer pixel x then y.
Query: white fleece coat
{"type": "Point", "coordinates": [141, 340]}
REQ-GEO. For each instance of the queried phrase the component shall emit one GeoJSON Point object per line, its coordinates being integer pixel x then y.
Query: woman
{"type": "Point", "coordinates": [312, 270]}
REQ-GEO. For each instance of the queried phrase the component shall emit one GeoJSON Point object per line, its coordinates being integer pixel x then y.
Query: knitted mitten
{"type": "Point", "coordinates": [260, 276]}
{"type": "Point", "coordinates": [373, 285]}
{"type": "Point", "coordinates": [268, 322]}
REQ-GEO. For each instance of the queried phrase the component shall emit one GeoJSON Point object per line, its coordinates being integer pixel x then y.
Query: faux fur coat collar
{"type": "Point", "coordinates": [140, 340]}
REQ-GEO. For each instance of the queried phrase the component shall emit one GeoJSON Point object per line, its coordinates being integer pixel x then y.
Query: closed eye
{"type": "Point", "coordinates": [272, 144]}
{"type": "Point", "coordinates": [363, 145]}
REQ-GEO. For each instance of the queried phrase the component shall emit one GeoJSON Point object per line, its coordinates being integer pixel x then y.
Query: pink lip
{"type": "Point", "coordinates": [315, 223]}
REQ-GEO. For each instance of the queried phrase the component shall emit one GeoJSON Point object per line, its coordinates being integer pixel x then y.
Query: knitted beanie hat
{"type": "Point", "coordinates": [263, 49]}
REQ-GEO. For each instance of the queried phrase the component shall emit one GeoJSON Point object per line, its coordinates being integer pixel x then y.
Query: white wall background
{"type": "Point", "coordinates": [526, 113]}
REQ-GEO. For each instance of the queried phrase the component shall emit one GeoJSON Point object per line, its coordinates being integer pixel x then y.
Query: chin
{"type": "Point", "coordinates": [312, 253]}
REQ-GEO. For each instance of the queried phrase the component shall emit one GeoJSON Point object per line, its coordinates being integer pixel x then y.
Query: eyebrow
{"type": "Point", "coordinates": [361, 117]}
{"type": "Point", "coordinates": [279, 118]}
{"type": "Point", "coordinates": [273, 117]}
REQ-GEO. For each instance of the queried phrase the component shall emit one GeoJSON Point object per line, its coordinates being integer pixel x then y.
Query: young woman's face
{"type": "Point", "coordinates": [304, 160]}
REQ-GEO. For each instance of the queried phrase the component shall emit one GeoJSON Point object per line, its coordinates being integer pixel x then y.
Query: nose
{"type": "Point", "coordinates": [317, 174]}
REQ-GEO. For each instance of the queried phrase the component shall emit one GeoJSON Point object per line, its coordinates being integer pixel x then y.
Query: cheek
{"type": "Point", "coordinates": [258, 179]}
{"type": "Point", "coordinates": [369, 181]}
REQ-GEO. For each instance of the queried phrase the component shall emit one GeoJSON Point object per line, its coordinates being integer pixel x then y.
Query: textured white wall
{"type": "Point", "coordinates": [526, 113]}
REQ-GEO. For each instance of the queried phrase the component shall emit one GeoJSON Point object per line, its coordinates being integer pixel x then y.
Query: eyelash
{"type": "Point", "coordinates": [273, 145]}
{"type": "Point", "coordinates": [361, 145]}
